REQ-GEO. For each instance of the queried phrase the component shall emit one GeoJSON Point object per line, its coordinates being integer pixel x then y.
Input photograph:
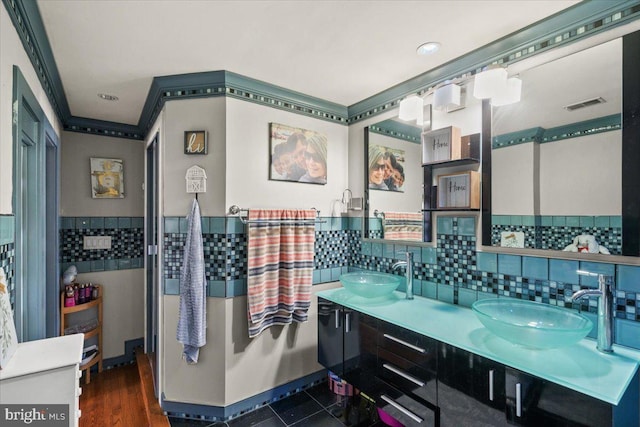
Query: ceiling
{"type": "Point", "coordinates": [339, 51]}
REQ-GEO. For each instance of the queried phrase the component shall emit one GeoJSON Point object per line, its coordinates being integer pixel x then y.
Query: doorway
{"type": "Point", "coordinates": [152, 216]}
{"type": "Point", "coordinates": [35, 204]}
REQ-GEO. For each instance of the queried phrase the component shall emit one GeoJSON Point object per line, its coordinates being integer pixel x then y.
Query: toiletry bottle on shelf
{"type": "Point", "coordinates": [69, 296]}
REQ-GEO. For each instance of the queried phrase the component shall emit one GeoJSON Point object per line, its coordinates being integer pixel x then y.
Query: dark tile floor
{"type": "Point", "coordinates": [314, 407]}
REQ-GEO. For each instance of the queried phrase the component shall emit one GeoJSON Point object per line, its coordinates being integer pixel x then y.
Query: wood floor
{"type": "Point", "coordinates": [113, 398]}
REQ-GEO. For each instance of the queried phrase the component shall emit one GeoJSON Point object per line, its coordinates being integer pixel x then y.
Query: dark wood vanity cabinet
{"type": "Point", "coordinates": [531, 401]}
{"type": "Point", "coordinates": [346, 340]}
{"type": "Point", "coordinates": [423, 382]}
{"type": "Point", "coordinates": [470, 389]}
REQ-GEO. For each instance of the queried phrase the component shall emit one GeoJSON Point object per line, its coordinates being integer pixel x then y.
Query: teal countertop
{"type": "Point", "coordinates": [579, 367]}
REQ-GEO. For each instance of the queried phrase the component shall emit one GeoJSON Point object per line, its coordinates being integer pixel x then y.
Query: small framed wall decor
{"type": "Point", "coordinates": [107, 178]}
{"type": "Point", "coordinates": [195, 142]}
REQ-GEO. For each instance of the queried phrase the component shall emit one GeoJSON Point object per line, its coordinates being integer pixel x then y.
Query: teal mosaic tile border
{"type": "Point", "coordinates": [225, 252]}
{"type": "Point", "coordinates": [398, 130]}
{"type": "Point", "coordinates": [572, 130]}
{"type": "Point", "coordinates": [126, 246]}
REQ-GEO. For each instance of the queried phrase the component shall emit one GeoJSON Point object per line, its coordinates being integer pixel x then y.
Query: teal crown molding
{"type": "Point", "coordinates": [582, 20]}
{"type": "Point", "coordinates": [572, 130]}
{"type": "Point", "coordinates": [397, 130]}
{"type": "Point", "coordinates": [226, 83]}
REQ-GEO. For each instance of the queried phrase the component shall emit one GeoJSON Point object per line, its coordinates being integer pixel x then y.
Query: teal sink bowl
{"type": "Point", "coordinates": [370, 284]}
{"type": "Point", "coordinates": [532, 324]}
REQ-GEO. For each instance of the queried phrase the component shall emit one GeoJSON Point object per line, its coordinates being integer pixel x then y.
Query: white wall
{"type": "Point", "coordinates": [587, 184]}
{"type": "Point", "coordinates": [513, 181]}
{"type": "Point", "coordinates": [12, 53]}
{"type": "Point", "coordinates": [231, 366]}
{"type": "Point", "coordinates": [75, 175]}
{"type": "Point", "coordinates": [122, 305]}
{"type": "Point", "coordinates": [247, 177]}
{"type": "Point", "coordinates": [206, 114]}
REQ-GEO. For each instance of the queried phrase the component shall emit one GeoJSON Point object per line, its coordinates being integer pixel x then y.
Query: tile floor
{"type": "Point", "coordinates": [314, 407]}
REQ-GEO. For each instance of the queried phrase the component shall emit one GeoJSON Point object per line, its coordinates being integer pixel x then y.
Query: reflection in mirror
{"type": "Point", "coordinates": [557, 156]}
{"type": "Point", "coordinates": [400, 213]}
{"type": "Point", "coordinates": [394, 181]}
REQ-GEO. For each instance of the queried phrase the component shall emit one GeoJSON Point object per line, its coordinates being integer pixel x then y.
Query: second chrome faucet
{"type": "Point", "coordinates": [408, 264]}
{"type": "Point", "coordinates": [605, 310]}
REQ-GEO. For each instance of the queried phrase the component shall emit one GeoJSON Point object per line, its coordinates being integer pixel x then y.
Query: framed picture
{"type": "Point", "coordinates": [297, 155]}
{"type": "Point", "coordinates": [386, 168]}
{"type": "Point", "coordinates": [107, 178]}
{"type": "Point", "coordinates": [195, 142]}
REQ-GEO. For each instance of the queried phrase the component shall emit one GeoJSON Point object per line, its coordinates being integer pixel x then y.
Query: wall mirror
{"type": "Point", "coordinates": [557, 156]}
{"type": "Point", "coordinates": [395, 212]}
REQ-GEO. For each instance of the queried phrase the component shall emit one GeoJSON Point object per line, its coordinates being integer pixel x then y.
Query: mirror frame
{"type": "Point", "coordinates": [630, 172]}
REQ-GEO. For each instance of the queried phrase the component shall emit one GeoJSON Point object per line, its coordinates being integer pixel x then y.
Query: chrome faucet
{"type": "Point", "coordinates": [605, 312]}
{"type": "Point", "coordinates": [408, 264]}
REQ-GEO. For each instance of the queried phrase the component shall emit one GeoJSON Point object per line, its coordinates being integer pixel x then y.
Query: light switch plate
{"type": "Point", "coordinates": [96, 242]}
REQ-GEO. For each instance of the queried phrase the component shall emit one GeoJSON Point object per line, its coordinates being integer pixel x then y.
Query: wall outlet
{"type": "Point", "coordinates": [96, 242]}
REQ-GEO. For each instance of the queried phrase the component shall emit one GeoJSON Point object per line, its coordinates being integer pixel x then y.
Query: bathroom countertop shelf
{"type": "Point", "coordinates": [579, 367]}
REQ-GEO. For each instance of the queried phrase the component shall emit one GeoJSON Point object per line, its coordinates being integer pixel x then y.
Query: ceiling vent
{"type": "Point", "coordinates": [587, 103]}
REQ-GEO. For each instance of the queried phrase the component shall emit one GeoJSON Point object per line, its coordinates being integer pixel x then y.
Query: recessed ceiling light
{"type": "Point", "coordinates": [107, 97]}
{"type": "Point", "coordinates": [428, 48]}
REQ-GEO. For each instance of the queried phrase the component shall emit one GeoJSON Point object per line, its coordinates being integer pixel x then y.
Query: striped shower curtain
{"type": "Point", "coordinates": [281, 250]}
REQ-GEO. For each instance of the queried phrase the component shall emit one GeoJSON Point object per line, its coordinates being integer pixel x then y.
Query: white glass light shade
{"type": "Point", "coordinates": [446, 97]}
{"type": "Point", "coordinates": [510, 95]}
{"type": "Point", "coordinates": [489, 83]}
{"type": "Point", "coordinates": [411, 109]}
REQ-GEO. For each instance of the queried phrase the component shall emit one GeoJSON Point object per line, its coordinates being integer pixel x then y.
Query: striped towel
{"type": "Point", "coordinates": [403, 226]}
{"type": "Point", "coordinates": [280, 267]}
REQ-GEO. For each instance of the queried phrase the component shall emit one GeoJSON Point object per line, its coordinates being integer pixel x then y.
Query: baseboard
{"type": "Point", "coordinates": [219, 413]}
{"type": "Point", "coordinates": [127, 358]}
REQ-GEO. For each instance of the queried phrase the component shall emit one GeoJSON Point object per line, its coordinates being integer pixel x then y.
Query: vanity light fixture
{"type": "Point", "coordinates": [428, 48]}
{"type": "Point", "coordinates": [447, 97]}
{"type": "Point", "coordinates": [490, 82]}
{"type": "Point", "coordinates": [107, 97]}
{"type": "Point", "coordinates": [412, 108]}
{"type": "Point", "coordinates": [510, 94]}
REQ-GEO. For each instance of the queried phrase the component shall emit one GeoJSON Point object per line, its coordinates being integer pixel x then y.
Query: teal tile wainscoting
{"type": "Point", "coordinates": [225, 251]}
{"type": "Point", "coordinates": [452, 271]}
{"type": "Point", "coordinates": [127, 243]}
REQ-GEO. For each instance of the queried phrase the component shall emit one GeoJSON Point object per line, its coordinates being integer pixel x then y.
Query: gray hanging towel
{"type": "Point", "coordinates": [192, 319]}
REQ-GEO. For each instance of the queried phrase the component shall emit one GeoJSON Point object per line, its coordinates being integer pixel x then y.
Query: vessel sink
{"type": "Point", "coordinates": [370, 284]}
{"type": "Point", "coordinates": [532, 324]}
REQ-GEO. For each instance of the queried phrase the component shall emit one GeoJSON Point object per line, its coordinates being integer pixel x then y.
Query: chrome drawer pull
{"type": "Point", "coordinates": [337, 314]}
{"type": "Point", "coordinates": [406, 344]}
{"type": "Point", "coordinates": [402, 409]}
{"type": "Point", "coordinates": [403, 374]}
{"type": "Point", "coordinates": [518, 400]}
{"type": "Point", "coordinates": [491, 371]}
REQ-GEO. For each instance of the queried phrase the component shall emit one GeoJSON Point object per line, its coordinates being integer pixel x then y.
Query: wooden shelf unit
{"type": "Point", "coordinates": [97, 331]}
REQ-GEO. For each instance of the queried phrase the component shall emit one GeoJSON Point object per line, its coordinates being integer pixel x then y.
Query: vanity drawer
{"type": "Point", "coordinates": [408, 377]}
{"type": "Point", "coordinates": [407, 344]}
{"type": "Point", "coordinates": [410, 412]}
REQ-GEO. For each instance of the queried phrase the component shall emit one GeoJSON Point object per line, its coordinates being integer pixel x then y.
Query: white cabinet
{"type": "Point", "coordinates": [45, 372]}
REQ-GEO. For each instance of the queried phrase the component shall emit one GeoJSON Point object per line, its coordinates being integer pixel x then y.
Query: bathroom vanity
{"type": "Point", "coordinates": [429, 363]}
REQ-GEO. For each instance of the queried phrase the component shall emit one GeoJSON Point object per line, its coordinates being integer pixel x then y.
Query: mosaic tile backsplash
{"type": "Point", "coordinates": [127, 243]}
{"type": "Point", "coordinates": [557, 232]}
